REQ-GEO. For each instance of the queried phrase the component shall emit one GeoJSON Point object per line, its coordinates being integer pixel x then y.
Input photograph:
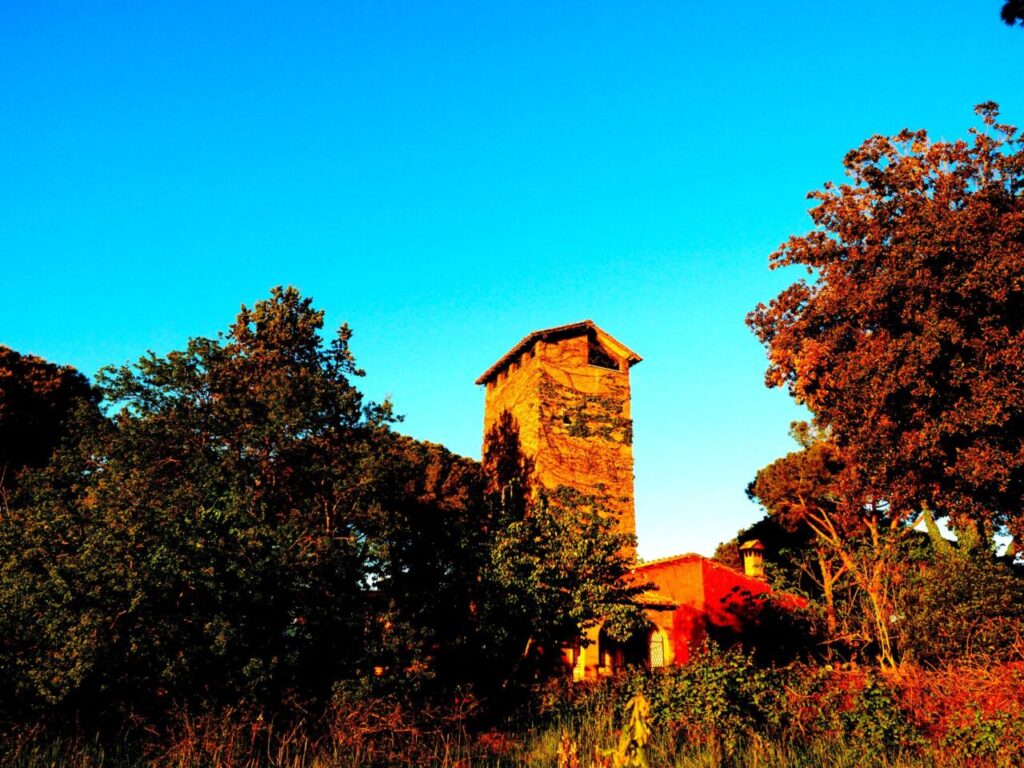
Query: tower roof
{"type": "Point", "coordinates": [561, 331]}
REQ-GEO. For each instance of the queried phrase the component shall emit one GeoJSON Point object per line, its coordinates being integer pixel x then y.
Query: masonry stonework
{"type": "Point", "coordinates": [567, 388]}
{"type": "Point", "coordinates": [567, 391]}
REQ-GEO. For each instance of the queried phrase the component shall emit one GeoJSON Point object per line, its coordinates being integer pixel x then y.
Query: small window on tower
{"type": "Point", "coordinates": [597, 356]}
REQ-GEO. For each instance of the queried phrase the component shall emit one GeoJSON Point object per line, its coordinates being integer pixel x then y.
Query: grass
{"type": "Point", "coordinates": [720, 712]}
{"type": "Point", "coordinates": [534, 751]}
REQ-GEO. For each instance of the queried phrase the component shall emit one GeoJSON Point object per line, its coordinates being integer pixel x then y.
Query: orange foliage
{"type": "Point", "coordinates": [908, 343]}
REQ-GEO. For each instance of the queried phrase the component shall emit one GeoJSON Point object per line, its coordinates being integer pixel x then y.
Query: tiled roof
{"type": "Point", "coordinates": [688, 556]}
{"type": "Point", "coordinates": [669, 559]}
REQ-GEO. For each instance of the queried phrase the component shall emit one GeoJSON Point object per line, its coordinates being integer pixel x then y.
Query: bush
{"type": "Point", "coordinates": [719, 698]}
{"type": "Point", "coordinates": [962, 604]}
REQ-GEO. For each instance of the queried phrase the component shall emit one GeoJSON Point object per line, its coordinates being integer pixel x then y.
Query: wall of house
{"type": "Point", "coordinates": [704, 595]}
{"type": "Point", "coordinates": [679, 583]}
{"type": "Point", "coordinates": [728, 596]}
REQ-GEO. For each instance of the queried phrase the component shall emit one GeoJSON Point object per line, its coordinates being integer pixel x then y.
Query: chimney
{"type": "Point", "coordinates": [753, 558]}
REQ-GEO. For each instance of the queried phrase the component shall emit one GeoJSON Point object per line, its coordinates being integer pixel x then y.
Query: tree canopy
{"type": "Point", "coordinates": [237, 525]}
{"type": "Point", "coordinates": [37, 401]}
{"type": "Point", "coordinates": [1013, 12]}
{"type": "Point", "coordinates": [907, 341]}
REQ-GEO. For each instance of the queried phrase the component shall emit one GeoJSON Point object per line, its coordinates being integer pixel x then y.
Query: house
{"type": "Point", "coordinates": [566, 390]}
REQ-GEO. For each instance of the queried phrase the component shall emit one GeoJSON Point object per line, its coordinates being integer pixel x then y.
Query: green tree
{"type": "Point", "coordinates": [959, 602]}
{"type": "Point", "coordinates": [800, 493]}
{"type": "Point", "coordinates": [554, 567]}
{"type": "Point", "coordinates": [427, 543]}
{"type": "Point", "coordinates": [556, 570]}
{"type": "Point", "coordinates": [208, 543]}
{"type": "Point", "coordinates": [1013, 12]}
{"type": "Point", "coordinates": [243, 528]}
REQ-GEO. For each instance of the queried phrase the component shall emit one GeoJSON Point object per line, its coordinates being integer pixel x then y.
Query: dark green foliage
{"type": "Point", "coordinates": [553, 567]}
{"type": "Point", "coordinates": [774, 627]}
{"type": "Point", "coordinates": [777, 541]}
{"type": "Point", "coordinates": [719, 695]}
{"type": "Point", "coordinates": [725, 700]}
{"type": "Point", "coordinates": [556, 569]}
{"type": "Point", "coordinates": [240, 529]}
{"type": "Point", "coordinates": [985, 740]}
{"type": "Point", "coordinates": [943, 601]}
{"type": "Point", "coordinates": [728, 553]}
{"type": "Point", "coordinates": [872, 719]}
{"type": "Point", "coordinates": [208, 543]}
{"type": "Point", "coordinates": [507, 468]}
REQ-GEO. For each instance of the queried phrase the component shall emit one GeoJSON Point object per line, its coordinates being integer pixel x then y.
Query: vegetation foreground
{"type": "Point", "coordinates": [722, 710]}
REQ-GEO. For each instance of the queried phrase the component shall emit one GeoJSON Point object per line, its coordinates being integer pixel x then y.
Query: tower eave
{"type": "Point", "coordinates": [631, 357]}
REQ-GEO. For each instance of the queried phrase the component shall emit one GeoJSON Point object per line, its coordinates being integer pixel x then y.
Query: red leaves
{"type": "Point", "coordinates": [909, 345]}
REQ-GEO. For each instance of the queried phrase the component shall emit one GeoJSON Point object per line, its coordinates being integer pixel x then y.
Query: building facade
{"type": "Point", "coordinates": [565, 391]}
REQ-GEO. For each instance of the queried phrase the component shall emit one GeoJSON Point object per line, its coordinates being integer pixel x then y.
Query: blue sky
{"type": "Point", "coordinates": [449, 176]}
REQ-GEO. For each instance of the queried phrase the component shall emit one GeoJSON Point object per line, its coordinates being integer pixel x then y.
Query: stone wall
{"type": "Point", "coordinates": [573, 418]}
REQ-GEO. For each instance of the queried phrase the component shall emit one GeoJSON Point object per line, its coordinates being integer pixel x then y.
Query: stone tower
{"type": "Point", "coordinates": [567, 389]}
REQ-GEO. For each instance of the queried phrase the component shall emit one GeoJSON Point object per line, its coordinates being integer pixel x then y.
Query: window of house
{"type": "Point", "coordinates": [657, 650]}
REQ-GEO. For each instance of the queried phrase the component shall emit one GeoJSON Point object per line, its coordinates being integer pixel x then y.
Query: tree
{"type": "Point", "coordinates": [908, 343]}
{"type": "Point", "coordinates": [240, 527]}
{"type": "Point", "coordinates": [846, 552]}
{"type": "Point", "coordinates": [427, 546]}
{"type": "Point", "coordinates": [209, 543]}
{"type": "Point", "coordinates": [959, 602]}
{"type": "Point", "coordinates": [1013, 12]}
{"type": "Point", "coordinates": [556, 569]}
{"type": "Point", "coordinates": [37, 401]}
{"type": "Point", "coordinates": [555, 566]}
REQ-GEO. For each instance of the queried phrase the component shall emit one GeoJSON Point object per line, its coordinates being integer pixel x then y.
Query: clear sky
{"type": "Point", "coordinates": [449, 176]}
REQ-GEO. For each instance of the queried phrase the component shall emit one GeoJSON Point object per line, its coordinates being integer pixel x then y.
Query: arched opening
{"type": "Point", "coordinates": [638, 651]}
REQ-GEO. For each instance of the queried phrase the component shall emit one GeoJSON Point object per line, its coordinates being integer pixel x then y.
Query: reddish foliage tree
{"type": "Point", "coordinates": [908, 342]}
